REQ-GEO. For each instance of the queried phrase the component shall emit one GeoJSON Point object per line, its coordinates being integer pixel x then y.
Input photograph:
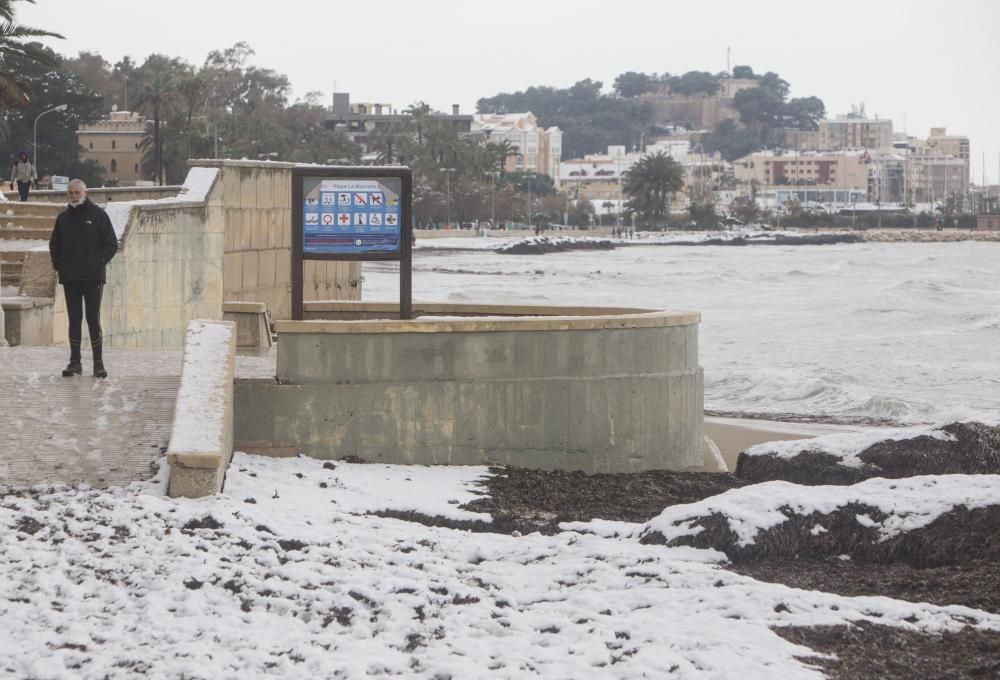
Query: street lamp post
{"type": "Point", "coordinates": [493, 206]}
{"type": "Point", "coordinates": [34, 137]}
{"type": "Point", "coordinates": [447, 184]}
{"type": "Point", "coordinates": [531, 215]}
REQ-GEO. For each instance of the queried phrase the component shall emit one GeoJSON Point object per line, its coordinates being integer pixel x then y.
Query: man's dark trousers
{"type": "Point", "coordinates": [80, 294]}
{"type": "Point", "coordinates": [22, 190]}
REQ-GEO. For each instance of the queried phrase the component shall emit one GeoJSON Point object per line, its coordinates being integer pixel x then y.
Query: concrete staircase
{"type": "Point", "coordinates": [20, 225]}
{"type": "Point", "coordinates": [11, 266]}
{"type": "Point", "coordinates": [28, 220]}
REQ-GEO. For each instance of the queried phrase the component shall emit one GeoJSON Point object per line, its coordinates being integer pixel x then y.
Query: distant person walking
{"type": "Point", "coordinates": [83, 242]}
{"type": "Point", "coordinates": [23, 173]}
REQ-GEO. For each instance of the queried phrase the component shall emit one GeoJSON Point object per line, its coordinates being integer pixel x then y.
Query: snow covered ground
{"type": "Point", "coordinates": [289, 573]}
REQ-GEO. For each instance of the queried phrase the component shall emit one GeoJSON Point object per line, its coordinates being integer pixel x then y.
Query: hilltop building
{"type": "Point", "coordinates": [701, 111]}
{"type": "Point", "coordinates": [114, 144]}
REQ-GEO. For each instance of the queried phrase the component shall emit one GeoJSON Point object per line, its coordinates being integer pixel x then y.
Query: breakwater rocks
{"type": "Point", "coordinates": [543, 244]}
{"type": "Point", "coordinates": [928, 236]}
{"type": "Point", "coordinates": [774, 239]}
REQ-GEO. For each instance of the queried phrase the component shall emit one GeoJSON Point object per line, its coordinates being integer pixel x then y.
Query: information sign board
{"type": "Point", "coordinates": [351, 213]}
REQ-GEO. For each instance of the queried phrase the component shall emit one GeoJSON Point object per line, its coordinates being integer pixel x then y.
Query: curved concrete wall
{"type": "Point", "coordinates": [597, 390]}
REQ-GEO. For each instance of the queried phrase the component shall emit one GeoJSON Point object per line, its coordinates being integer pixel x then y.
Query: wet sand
{"type": "Point", "coordinates": [732, 435]}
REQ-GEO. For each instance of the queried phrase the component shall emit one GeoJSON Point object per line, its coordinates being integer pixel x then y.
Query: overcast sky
{"type": "Point", "coordinates": [935, 63]}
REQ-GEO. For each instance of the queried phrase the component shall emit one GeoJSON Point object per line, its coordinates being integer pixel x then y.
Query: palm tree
{"type": "Point", "coordinates": [191, 90]}
{"type": "Point", "coordinates": [157, 95]}
{"type": "Point", "coordinates": [504, 149]}
{"type": "Point", "coordinates": [651, 185]}
{"type": "Point", "coordinates": [15, 91]}
{"type": "Point", "coordinates": [419, 111]}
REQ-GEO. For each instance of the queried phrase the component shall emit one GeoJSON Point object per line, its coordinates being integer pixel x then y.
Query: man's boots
{"type": "Point", "coordinates": [97, 349]}
{"type": "Point", "coordinates": [72, 368]}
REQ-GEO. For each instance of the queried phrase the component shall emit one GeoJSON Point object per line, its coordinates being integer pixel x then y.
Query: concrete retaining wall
{"type": "Point", "coordinates": [256, 199]}
{"type": "Point", "coordinates": [169, 271]}
{"type": "Point", "coordinates": [181, 257]}
{"type": "Point", "coordinates": [27, 321]}
{"type": "Point", "coordinates": [598, 392]}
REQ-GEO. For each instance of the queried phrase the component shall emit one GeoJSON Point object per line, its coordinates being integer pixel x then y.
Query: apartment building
{"type": "Point", "coordinates": [855, 131]}
{"type": "Point", "coordinates": [952, 145]}
{"type": "Point", "coordinates": [539, 149]}
{"type": "Point", "coordinates": [359, 120]}
{"type": "Point", "coordinates": [114, 144]}
{"type": "Point", "coordinates": [847, 169]}
{"type": "Point", "coordinates": [599, 176]}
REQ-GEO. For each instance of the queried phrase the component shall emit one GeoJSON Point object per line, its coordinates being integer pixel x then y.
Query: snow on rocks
{"type": "Point", "coordinates": [920, 520]}
{"type": "Point", "coordinates": [287, 574]}
{"type": "Point", "coordinates": [956, 448]}
{"type": "Point", "coordinates": [539, 245]}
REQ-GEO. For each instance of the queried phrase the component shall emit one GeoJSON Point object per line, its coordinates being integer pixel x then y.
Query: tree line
{"type": "Point", "coordinates": [231, 108]}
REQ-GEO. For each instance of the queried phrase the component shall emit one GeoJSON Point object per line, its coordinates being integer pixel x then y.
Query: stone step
{"type": "Point", "coordinates": [13, 256]}
{"type": "Point", "coordinates": [34, 233]}
{"type": "Point", "coordinates": [33, 221]}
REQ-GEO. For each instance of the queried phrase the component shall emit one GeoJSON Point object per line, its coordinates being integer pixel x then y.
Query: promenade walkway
{"type": "Point", "coordinates": [84, 430]}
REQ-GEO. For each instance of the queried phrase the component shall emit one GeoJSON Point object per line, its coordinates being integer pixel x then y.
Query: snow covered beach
{"type": "Point", "coordinates": [295, 570]}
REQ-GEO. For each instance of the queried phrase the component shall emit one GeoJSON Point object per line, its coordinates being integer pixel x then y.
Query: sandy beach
{"type": "Point", "coordinates": [732, 435]}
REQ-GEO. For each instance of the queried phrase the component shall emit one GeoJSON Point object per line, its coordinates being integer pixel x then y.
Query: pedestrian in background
{"type": "Point", "coordinates": [83, 242]}
{"type": "Point", "coordinates": [23, 173]}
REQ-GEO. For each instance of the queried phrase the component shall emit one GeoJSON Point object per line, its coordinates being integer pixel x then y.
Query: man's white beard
{"type": "Point", "coordinates": [77, 203]}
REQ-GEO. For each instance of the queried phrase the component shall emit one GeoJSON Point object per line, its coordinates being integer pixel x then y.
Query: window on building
{"type": "Point", "coordinates": [91, 145]}
{"type": "Point", "coordinates": [113, 145]}
{"type": "Point", "coordinates": [114, 163]}
{"type": "Point", "coordinates": [135, 168]}
{"type": "Point", "coordinates": [137, 146]}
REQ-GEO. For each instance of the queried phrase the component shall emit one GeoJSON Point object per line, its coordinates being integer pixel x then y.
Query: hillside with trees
{"type": "Point", "coordinates": [592, 120]}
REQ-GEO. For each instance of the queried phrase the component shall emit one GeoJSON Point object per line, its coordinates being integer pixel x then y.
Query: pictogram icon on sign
{"type": "Point", "coordinates": [327, 218]}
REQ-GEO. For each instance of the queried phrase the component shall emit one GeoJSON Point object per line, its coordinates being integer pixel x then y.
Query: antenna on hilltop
{"type": "Point", "coordinates": [728, 70]}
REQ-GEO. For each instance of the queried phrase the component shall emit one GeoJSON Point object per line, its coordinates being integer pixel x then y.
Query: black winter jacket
{"type": "Point", "coordinates": [83, 242]}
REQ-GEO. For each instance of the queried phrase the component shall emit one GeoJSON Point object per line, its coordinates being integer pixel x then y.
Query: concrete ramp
{"type": "Point", "coordinates": [83, 430]}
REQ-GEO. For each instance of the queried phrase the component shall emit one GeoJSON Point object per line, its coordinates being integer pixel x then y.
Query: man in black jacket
{"type": "Point", "coordinates": [83, 242]}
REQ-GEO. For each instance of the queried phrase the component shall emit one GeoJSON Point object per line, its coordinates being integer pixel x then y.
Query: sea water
{"type": "Point", "coordinates": [900, 332]}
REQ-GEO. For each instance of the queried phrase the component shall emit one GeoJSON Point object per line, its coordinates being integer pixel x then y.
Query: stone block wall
{"type": "Point", "coordinates": [180, 259]}
{"type": "Point", "coordinates": [168, 270]}
{"type": "Point", "coordinates": [256, 201]}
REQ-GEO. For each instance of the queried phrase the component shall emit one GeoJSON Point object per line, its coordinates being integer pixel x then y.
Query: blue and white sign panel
{"type": "Point", "coordinates": [351, 216]}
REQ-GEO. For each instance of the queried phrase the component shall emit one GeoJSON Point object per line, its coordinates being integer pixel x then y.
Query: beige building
{"type": "Point", "coordinates": [952, 145]}
{"type": "Point", "coordinates": [114, 143]}
{"type": "Point", "coordinates": [855, 131]}
{"type": "Point", "coordinates": [933, 176]}
{"type": "Point", "coordinates": [539, 149]}
{"type": "Point", "coordinates": [838, 170]}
